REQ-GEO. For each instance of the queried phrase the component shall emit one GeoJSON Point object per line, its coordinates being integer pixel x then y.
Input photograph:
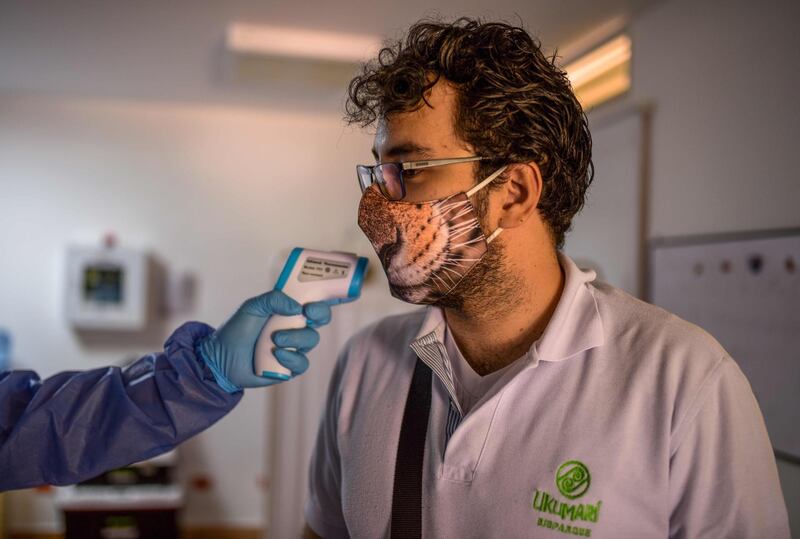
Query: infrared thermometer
{"type": "Point", "coordinates": [308, 276]}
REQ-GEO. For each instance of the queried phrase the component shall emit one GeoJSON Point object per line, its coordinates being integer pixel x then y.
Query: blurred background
{"type": "Point", "coordinates": [205, 139]}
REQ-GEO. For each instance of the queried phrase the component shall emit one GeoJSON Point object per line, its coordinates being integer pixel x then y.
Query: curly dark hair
{"type": "Point", "coordinates": [513, 103]}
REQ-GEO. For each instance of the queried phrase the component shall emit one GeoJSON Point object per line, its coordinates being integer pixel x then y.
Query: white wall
{"type": "Point", "coordinates": [723, 77]}
{"type": "Point", "coordinates": [606, 233]}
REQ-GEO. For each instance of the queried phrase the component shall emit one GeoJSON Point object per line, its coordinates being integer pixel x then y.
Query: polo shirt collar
{"type": "Point", "coordinates": [576, 325]}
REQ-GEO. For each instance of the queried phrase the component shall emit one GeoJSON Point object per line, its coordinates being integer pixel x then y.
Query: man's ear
{"type": "Point", "coordinates": [522, 191]}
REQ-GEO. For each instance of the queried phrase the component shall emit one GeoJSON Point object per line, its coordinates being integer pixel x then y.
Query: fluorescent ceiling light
{"type": "Point", "coordinates": [603, 73]}
{"type": "Point", "coordinates": [259, 39]}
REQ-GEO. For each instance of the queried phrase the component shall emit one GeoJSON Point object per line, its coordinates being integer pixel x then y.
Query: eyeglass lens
{"type": "Point", "coordinates": [389, 180]}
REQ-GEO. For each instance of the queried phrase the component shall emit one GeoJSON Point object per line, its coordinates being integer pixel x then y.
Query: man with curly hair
{"type": "Point", "coordinates": [528, 399]}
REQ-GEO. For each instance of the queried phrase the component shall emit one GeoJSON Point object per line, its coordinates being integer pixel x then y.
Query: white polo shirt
{"type": "Point", "coordinates": [622, 421]}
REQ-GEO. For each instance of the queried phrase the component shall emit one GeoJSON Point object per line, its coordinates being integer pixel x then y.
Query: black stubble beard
{"type": "Point", "coordinates": [489, 287]}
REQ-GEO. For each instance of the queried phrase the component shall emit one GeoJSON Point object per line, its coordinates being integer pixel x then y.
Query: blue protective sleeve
{"type": "Point", "coordinates": [75, 425]}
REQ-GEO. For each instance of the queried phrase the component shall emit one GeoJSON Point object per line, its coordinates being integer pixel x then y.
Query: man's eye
{"type": "Point", "coordinates": [408, 174]}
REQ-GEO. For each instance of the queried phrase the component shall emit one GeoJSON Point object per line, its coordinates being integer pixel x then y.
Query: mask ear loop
{"type": "Point", "coordinates": [494, 234]}
{"type": "Point", "coordinates": [487, 181]}
{"type": "Point", "coordinates": [480, 186]}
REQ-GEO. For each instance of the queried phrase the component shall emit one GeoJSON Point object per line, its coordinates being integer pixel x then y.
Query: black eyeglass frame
{"type": "Point", "coordinates": [377, 174]}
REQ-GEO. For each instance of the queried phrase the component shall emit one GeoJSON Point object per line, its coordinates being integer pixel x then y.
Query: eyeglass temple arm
{"type": "Point", "coordinates": [414, 165]}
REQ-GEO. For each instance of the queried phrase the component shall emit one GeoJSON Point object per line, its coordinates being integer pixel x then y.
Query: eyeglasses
{"type": "Point", "coordinates": [391, 177]}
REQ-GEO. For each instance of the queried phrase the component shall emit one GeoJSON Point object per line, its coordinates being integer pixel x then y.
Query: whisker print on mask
{"type": "Point", "coordinates": [444, 210]}
{"type": "Point", "coordinates": [449, 202]}
{"type": "Point", "coordinates": [460, 214]}
{"type": "Point", "coordinates": [443, 285]}
{"type": "Point", "coordinates": [454, 260]}
{"type": "Point", "coordinates": [464, 228]}
{"type": "Point", "coordinates": [453, 275]}
{"type": "Point", "coordinates": [454, 264]}
{"type": "Point", "coordinates": [456, 248]}
{"type": "Point", "coordinates": [471, 222]}
{"type": "Point", "coordinates": [462, 221]}
{"type": "Point", "coordinates": [458, 234]}
{"type": "Point", "coordinates": [441, 281]}
{"type": "Point", "coordinates": [466, 243]}
{"type": "Point", "coordinates": [454, 272]}
{"type": "Point", "coordinates": [443, 267]}
{"type": "Point", "coordinates": [469, 251]}
{"type": "Point", "coordinates": [430, 276]}
{"type": "Point", "coordinates": [459, 261]}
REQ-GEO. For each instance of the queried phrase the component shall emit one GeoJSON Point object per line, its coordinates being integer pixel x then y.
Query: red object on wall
{"type": "Point", "coordinates": [201, 482]}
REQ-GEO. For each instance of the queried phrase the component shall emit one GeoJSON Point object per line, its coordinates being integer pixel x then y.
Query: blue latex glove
{"type": "Point", "coordinates": [229, 351]}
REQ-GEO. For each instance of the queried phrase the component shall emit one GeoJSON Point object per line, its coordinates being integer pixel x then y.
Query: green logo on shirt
{"type": "Point", "coordinates": [573, 479]}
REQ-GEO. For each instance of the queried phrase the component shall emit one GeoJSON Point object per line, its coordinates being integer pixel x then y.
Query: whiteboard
{"type": "Point", "coordinates": [744, 289]}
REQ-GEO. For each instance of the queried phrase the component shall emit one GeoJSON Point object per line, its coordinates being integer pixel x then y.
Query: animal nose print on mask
{"type": "Point", "coordinates": [425, 248]}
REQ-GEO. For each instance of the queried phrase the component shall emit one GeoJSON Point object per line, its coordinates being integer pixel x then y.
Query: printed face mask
{"type": "Point", "coordinates": [426, 248]}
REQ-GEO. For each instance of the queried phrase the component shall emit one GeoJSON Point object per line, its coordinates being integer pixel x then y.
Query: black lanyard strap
{"type": "Point", "coordinates": [407, 495]}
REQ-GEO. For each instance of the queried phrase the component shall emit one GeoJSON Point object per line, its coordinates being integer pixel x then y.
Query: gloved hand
{"type": "Point", "coordinates": [229, 351]}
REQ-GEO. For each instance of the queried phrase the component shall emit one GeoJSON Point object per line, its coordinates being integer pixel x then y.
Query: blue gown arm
{"type": "Point", "coordinates": [76, 425]}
